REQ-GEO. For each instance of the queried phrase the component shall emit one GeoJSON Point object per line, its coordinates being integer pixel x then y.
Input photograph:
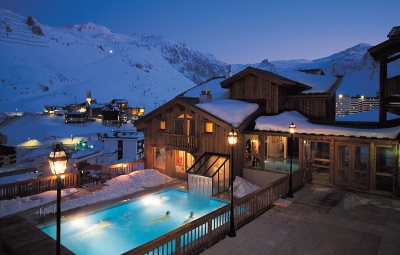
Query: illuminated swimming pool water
{"type": "Point", "coordinates": [121, 228]}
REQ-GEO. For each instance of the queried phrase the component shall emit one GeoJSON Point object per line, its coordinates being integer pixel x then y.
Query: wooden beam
{"type": "Point", "coordinates": [382, 91]}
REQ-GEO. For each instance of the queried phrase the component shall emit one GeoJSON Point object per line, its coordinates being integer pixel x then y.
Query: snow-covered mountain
{"type": "Point", "coordinates": [360, 70]}
{"type": "Point", "coordinates": [44, 65]}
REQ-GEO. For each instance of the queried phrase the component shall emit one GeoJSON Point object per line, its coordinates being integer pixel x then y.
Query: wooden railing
{"type": "Point", "coordinates": [112, 171]}
{"type": "Point", "coordinates": [36, 186]}
{"type": "Point", "coordinates": [180, 141]}
{"type": "Point", "coordinates": [202, 233]}
{"type": "Point", "coordinates": [71, 180]}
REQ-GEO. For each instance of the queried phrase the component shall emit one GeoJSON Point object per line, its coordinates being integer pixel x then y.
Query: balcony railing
{"type": "Point", "coordinates": [181, 141]}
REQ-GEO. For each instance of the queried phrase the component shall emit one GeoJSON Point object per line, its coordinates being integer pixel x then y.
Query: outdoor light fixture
{"type": "Point", "coordinates": [58, 164]}
{"type": "Point", "coordinates": [292, 129]}
{"type": "Point", "coordinates": [232, 140]}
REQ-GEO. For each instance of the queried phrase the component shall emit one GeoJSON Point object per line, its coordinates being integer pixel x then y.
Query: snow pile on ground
{"type": "Point", "coordinates": [18, 204]}
{"type": "Point", "coordinates": [149, 178]}
{"type": "Point", "coordinates": [242, 187]}
{"type": "Point", "coordinates": [117, 187]}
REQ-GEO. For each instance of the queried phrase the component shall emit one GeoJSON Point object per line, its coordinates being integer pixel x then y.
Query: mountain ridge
{"type": "Point", "coordinates": [58, 67]}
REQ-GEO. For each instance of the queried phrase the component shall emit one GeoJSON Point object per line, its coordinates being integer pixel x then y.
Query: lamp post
{"type": "Point", "coordinates": [232, 139]}
{"type": "Point", "coordinates": [292, 129]}
{"type": "Point", "coordinates": [58, 164]}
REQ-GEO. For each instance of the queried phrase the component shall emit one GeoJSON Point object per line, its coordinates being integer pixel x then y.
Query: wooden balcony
{"type": "Point", "coordinates": [184, 142]}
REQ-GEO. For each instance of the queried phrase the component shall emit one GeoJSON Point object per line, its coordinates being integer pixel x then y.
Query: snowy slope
{"type": "Point", "coordinates": [60, 66]}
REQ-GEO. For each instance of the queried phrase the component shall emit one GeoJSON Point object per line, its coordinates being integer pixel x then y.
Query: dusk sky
{"type": "Point", "coordinates": [235, 31]}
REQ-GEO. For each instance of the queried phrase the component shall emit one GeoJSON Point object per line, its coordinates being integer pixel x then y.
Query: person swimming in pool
{"type": "Point", "coordinates": [102, 224]}
{"type": "Point", "coordinates": [162, 218]}
{"type": "Point", "coordinates": [190, 218]}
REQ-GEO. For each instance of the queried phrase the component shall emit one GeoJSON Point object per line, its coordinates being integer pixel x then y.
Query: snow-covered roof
{"type": "Point", "coordinates": [231, 111]}
{"type": "Point", "coordinates": [319, 83]}
{"type": "Point", "coordinates": [214, 87]}
{"type": "Point", "coordinates": [127, 131]}
{"type": "Point", "coordinates": [282, 121]}
{"type": "Point", "coordinates": [79, 154]}
{"type": "Point", "coordinates": [110, 108]}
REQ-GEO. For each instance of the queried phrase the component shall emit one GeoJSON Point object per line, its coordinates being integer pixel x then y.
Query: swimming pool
{"type": "Point", "coordinates": [121, 228]}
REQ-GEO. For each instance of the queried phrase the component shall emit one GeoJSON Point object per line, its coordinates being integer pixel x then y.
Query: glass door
{"type": "Point", "coordinates": [384, 169]}
{"type": "Point", "coordinates": [183, 161]}
{"type": "Point", "coordinates": [352, 165]}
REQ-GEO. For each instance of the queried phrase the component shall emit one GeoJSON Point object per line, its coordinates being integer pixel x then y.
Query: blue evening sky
{"type": "Point", "coordinates": [235, 31]}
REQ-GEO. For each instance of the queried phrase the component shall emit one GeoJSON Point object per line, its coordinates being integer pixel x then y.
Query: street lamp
{"type": "Point", "coordinates": [58, 164]}
{"type": "Point", "coordinates": [232, 139]}
{"type": "Point", "coordinates": [292, 129]}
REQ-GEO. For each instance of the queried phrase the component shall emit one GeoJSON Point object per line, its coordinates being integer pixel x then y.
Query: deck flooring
{"type": "Point", "coordinates": [18, 236]}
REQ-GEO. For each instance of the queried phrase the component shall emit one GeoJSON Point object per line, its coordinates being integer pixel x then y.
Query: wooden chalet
{"type": "Point", "coordinates": [110, 114]}
{"type": "Point", "coordinates": [186, 136]}
{"type": "Point", "coordinates": [120, 103]}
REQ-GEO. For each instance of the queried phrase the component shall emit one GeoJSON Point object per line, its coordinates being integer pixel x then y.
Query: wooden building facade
{"type": "Point", "coordinates": [179, 132]}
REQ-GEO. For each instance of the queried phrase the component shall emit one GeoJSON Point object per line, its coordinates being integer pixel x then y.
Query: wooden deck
{"type": "Point", "coordinates": [18, 236]}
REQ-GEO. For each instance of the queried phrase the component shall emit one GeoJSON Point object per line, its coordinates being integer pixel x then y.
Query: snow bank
{"type": "Point", "coordinates": [114, 188]}
{"type": "Point", "coordinates": [242, 187]}
{"type": "Point", "coordinates": [18, 204]}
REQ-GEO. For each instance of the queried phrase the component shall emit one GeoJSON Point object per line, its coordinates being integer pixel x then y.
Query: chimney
{"type": "Point", "coordinates": [228, 73]}
{"type": "Point", "coordinates": [394, 33]}
{"type": "Point", "coordinates": [205, 96]}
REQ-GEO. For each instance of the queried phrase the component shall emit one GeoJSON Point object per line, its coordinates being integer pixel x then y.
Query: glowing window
{"type": "Point", "coordinates": [162, 124]}
{"type": "Point", "coordinates": [209, 127]}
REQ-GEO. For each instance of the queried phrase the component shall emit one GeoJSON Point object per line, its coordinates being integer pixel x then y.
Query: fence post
{"type": "Point", "coordinates": [178, 244]}
{"type": "Point", "coordinates": [209, 233]}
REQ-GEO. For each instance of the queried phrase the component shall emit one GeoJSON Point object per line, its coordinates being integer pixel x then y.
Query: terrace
{"type": "Point", "coordinates": [216, 223]}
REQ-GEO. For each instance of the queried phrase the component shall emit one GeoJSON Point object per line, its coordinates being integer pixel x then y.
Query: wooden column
{"type": "Point", "coordinates": [382, 90]}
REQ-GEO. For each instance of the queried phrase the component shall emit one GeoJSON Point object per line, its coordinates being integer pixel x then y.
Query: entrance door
{"type": "Point", "coordinates": [159, 159]}
{"type": "Point", "coordinates": [318, 160]}
{"type": "Point", "coordinates": [351, 168]}
{"type": "Point", "coordinates": [183, 160]}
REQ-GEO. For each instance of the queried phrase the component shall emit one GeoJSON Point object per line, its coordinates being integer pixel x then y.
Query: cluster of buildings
{"type": "Point", "coordinates": [113, 149]}
{"type": "Point", "coordinates": [346, 104]}
{"type": "Point", "coordinates": [113, 113]}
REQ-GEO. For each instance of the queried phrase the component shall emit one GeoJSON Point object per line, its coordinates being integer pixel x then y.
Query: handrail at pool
{"type": "Point", "coordinates": [202, 233]}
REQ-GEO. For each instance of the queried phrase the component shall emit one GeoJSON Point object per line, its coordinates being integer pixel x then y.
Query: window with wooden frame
{"type": "Point", "coordinates": [209, 127]}
{"type": "Point", "coordinates": [162, 125]}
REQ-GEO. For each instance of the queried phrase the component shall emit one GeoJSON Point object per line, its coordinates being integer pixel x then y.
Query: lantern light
{"type": "Point", "coordinates": [57, 159]}
{"type": "Point", "coordinates": [232, 137]}
{"type": "Point", "coordinates": [292, 128]}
